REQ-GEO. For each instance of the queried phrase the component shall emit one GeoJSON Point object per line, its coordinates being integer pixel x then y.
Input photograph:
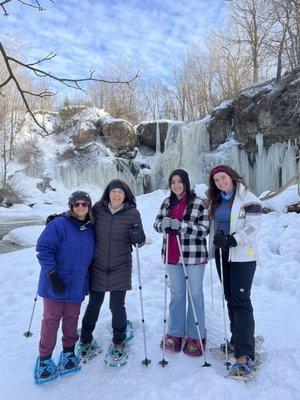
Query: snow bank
{"type": "Point", "coordinates": [25, 236]}
{"type": "Point", "coordinates": [276, 303]}
{"type": "Point", "coordinates": [279, 202]}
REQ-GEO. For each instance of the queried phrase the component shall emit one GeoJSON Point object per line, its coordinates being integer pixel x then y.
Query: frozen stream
{"type": "Point", "coordinates": [7, 224]}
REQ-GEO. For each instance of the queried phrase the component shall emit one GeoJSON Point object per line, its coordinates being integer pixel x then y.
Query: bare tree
{"type": "Point", "coordinates": [12, 121]}
{"type": "Point", "coordinates": [154, 95]}
{"type": "Point", "coordinates": [288, 23]}
{"type": "Point", "coordinates": [121, 101]}
{"type": "Point", "coordinates": [252, 23]}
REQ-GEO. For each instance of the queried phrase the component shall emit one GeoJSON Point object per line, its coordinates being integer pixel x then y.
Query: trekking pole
{"type": "Point", "coordinates": [226, 363]}
{"type": "Point", "coordinates": [206, 364]}
{"type": "Point", "coordinates": [146, 361]}
{"type": "Point", "coordinates": [211, 285]}
{"type": "Point", "coordinates": [164, 362]}
{"type": "Point", "coordinates": [29, 333]}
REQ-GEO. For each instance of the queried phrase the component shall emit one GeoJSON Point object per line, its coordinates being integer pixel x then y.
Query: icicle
{"type": "Point", "coordinates": [259, 139]}
{"type": "Point", "coordinates": [158, 148]}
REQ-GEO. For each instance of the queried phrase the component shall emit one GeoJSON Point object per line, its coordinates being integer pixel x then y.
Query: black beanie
{"type": "Point", "coordinates": [115, 185]}
{"type": "Point", "coordinates": [79, 195]}
{"type": "Point", "coordinates": [184, 177]}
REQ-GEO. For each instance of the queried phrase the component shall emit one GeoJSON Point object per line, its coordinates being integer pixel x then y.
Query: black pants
{"type": "Point", "coordinates": [237, 278]}
{"type": "Point", "coordinates": [118, 311]}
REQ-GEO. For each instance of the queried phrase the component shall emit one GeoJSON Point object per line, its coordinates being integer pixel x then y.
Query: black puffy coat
{"type": "Point", "coordinates": [112, 261]}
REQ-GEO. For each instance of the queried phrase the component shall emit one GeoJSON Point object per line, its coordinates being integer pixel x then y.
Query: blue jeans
{"type": "Point", "coordinates": [182, 323]}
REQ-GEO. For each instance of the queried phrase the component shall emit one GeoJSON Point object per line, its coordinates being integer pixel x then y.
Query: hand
{"type": "Point", "coordinates": [231, 241]}
{"type": "Point", "coordinates": [175, 225]}
{"type": "Point", "coordinates": [166, 224]}
{"type": "Point", "coordinates": [56, 282]}
{"type": "Point", "coordinates": [137, 235]}
{"type": "Point", "coordinates": [221, 240]}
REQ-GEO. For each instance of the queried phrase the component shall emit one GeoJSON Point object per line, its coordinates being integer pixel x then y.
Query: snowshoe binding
{"type": "Point", "coordinates": [88, 351]}
{"type": "Point", "coordinates": [192, 347]}
{"type": "Point", "coordinates": [245, 371]}
{"type": "Point", "coordinates": [116, 356]}
{"type": "Point", "coordinates": [44, 371]}
{"type": "Point", "coordinates": [172, 343]}
{"type": "Point", "coordinates": [220, 352]}
{"type": "Point", "coordinates": [68, 363]}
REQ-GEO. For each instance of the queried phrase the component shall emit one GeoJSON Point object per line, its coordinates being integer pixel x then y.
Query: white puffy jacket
{"type": "Point", "coordinates": [245, 221]}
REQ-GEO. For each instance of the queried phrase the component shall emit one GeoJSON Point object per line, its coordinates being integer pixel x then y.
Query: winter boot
{"type": "Point", "coordinates": [116, 355]}
{"type": "Point", "coordinates": [118, 352]}
{"type": "Point", "coordinates": [242, 367]}
{"type": "Point", "coordinates": [230, 348]}
{"type": "Point", "coordinates": [172, 343]}
{"type": "Point", "coordinates": [68, 363]}
{"type": "Point", "coordinates": [88, 350]}
{"type": "Point", "coordinates": [45, 371]}
{"type": "Point", "coordinates": [192, 347]}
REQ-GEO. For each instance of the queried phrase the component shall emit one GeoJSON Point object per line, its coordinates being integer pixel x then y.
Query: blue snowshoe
{"type": "Point", "coordinates": [68, 363]}
{"type": "Point", "coordinates": [45, 371]}
{"type": "Point", "coordinates": [116, 356]}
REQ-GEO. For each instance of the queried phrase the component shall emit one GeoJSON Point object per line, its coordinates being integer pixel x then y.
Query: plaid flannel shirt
{"type": "Point", "coordinates": [193, 231]}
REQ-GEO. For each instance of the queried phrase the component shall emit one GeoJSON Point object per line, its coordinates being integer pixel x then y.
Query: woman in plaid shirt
{"type": "Point", "coordinates": [186, 215]}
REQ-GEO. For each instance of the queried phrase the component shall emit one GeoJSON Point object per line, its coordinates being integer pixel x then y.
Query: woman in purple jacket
{"type": "Point", "coordinates": [64, 250]}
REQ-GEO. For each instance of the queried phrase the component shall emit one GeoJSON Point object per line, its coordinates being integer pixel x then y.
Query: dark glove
{"type": "Point", "coordinates": [56, 282]}
{"type": "Point", "coordinates": [166, 224]}
{"type": "Point", "coordinates": [175, 225]}
{"type": "Point", "coordinates": [137, 236]}
{"type": "Point", "coordinates": [221, 240]}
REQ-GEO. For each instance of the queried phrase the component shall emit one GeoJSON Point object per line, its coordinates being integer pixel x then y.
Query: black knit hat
{"type": "Point", "coordinates": [184, 177]}
{"type": "Point", "coordinates": [79, 195]}
{"type": "Point", "coordinates": [115, 185]}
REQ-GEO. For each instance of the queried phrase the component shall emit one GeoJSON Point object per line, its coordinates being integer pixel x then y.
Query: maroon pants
{"type": "Point", "coordinates": [54, 311]}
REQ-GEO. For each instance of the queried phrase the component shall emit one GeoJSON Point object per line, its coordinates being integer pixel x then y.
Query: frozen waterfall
{"type": "Point", "coordinates": [184, 145]}
{"type": "Point", "coordinates": [187, 146]}
{"type": "Point", "coordinates": [99, 173]}
{"type": "Point", "coordinates": [270, 168]}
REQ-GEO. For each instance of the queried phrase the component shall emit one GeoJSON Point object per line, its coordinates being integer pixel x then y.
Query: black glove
{"type": "Point", "coordinates": [221, 240]}
{"type": "Point", "coordinates": [137, 236]}
{"type": "Point", "coordinates": [56, 282]}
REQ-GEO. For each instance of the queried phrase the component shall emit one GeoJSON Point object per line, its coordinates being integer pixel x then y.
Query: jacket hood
{"type": "Point", "coordinates": [98, 205]}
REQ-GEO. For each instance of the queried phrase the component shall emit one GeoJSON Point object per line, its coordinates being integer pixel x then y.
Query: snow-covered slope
{"type": "Point", "coordinates": [276, 302]}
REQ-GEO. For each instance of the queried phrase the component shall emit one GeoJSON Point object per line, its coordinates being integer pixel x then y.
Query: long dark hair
{"type": "Point", "coordinates": [186, 184]}
{"type": "Point", "coordinates": [213, 193]}
{"type": "Point", "coordinates": [129, 197]}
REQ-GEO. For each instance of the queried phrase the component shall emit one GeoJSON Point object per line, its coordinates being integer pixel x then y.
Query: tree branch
{"type": "Point", "coordinates": [36, 4]}
{"type": "Point", "coordinates": [41, 73]}
{"type": "Point", "coordinates": [3, 8]}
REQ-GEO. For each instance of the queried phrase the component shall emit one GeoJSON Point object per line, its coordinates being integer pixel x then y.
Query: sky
{"type": "Point", "coordinates": [87, 34]}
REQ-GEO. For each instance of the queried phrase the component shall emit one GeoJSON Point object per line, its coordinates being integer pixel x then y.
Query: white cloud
{"type": "Point", "coordinates": [86, 33]}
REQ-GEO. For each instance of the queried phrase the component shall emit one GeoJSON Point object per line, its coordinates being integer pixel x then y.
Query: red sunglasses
{"type": "Point", "coordinates": [80, 203]}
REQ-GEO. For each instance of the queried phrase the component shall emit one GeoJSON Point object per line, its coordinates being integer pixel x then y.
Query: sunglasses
{"type": "Point", "coordinates": [80, 203]}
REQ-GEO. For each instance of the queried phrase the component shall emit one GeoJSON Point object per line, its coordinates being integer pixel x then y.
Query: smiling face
{"type": "Point", "coordinates": [223, 181]}
{"type": "Point", "coordinates": [116, 198]}
{"type": "Point", "coordinates": [80, 209]}
{"type": "Point", "coordinates": [177, 186]}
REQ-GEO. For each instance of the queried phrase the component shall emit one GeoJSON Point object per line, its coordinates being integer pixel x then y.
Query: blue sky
{"type": "Point", "coordinates": [86, 34]}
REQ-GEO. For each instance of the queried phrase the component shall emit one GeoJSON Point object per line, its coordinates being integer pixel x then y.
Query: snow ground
{"type": "Point", "coordinates": [276, 301]}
